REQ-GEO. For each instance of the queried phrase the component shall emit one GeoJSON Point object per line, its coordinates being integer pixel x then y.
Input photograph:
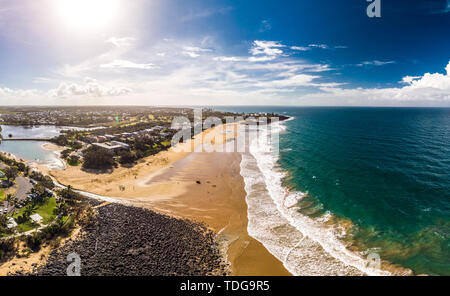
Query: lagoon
{"type": "Point", "coordinates": [31, 150]}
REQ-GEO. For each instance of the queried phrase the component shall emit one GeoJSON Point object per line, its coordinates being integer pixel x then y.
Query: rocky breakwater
{"type": "Point", "coordinates": [130, 241]}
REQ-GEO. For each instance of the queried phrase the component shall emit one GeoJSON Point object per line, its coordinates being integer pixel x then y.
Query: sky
{"type": "Point", "coordinates": [223, 52]}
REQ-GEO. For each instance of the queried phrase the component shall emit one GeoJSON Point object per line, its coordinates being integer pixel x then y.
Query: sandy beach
{"type": "Point", "coordinates": [200, 186]}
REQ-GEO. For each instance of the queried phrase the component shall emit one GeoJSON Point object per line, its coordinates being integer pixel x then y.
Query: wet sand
{"type": "Point", "coordinates": [200, 186]}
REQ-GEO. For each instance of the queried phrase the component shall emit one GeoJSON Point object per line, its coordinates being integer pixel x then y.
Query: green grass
{"type": "Point", "coordinates": [45, 211]}
{"type": "Point", "coordinates": [73, 163]}
{"type": "Point", "coordinates": [165, 144]}
{"type": "Point", "coordinates": [24, 227]}
{"type": "Point", "coordinates": [2, 195]}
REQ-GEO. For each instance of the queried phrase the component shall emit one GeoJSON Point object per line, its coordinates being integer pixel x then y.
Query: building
{"type": "Point", "coordinates": [11, 223]}
{"type": "Point", "coordinates": [113, 146]}
{"type": "Point", "coordinates": [36, 218]}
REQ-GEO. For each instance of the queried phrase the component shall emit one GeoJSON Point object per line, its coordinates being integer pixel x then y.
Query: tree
{"type": "Point", "coordinates": [47, 182]}
{"type": "Point", "coordinates": [61, 140]}
{"type": "Point", "coordinates": [3, 222]}
{"type": "Point", "coordinates": [62, 209]}
{"type": "Point", "coordinates": [9, 198]}
{"type": "Point", "coordinates": [73, 160]}
{"type": "Point", "coordinates": [38, 189]}
{"type": "Point", "coordinates": [97, 158]}
{"type": "Point", "coordinates": [126, 157]}
{"type": "Point", "coordinates": [65, 153]}
{"type": "Point", "coordinates": [28, 211]}
{"type": "Point", "coordinates": [11, 173]}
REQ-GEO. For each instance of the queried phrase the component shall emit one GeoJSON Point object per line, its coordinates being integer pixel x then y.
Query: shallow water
{"type": "Point", "coordinates": [384, 171]}
{"type": "Point", "coordinates": [31, 150]}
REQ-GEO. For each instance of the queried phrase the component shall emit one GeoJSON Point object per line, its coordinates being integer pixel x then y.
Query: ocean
{"type": "Point", "coordinates": [351, 185]}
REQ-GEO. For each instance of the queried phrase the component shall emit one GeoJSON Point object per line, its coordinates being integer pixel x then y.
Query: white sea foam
{"type": "Point", "coordinates": [306, 246]}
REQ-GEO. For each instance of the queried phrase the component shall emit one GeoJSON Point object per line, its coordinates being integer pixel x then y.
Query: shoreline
{"type": "Point", "coordinates": [167, 183]}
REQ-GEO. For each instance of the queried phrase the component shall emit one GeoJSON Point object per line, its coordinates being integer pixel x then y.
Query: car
{"type": "Point", "coordinates": [5, 211]}
{"type": "Point", "coordinates": [33, 182]}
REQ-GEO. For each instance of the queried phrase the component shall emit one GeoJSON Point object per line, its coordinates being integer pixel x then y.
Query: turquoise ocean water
{"type": "Point", "coordinates": [384, 171]}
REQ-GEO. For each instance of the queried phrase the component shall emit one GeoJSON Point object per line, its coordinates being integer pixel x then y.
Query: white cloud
{"type": "Point", "coordinates": [228, 59]}
{"type": "Point", "coordinates": [194, 74]}
{"type": "Point", "coordinates": [91, 88]}
{"type": "Point", "coordinates": [426, 90]}
{"type": "Point", "coordinates": [300, 48]}
{"type": "Point", "coordinates": [194, 52]}
{"type": "Point", "coordinates": [196, 49]}
{"type": "Point", "coordinates": [191, 54]}
{"type": "Point", "coordinates": [430, 81]}
{"type": "Point", "coordinates": [409, 79]}
{"type": "Point", "coordinates": [123, 41]}
{"type": "Point", "coordinates": [290, 81]}
{"type": "Point", "coordinates": [124, 64]}
{"type": "Point", "coordinates": [39, 80]}
{"type": "Point", "coordinates": [262, 59]}
{"type": "Point", "coordinates": [268, 48]}
{"type": "Point", "coordinates": [375, 63]}
{"type": "Point", "coordinates": [322, 46]}
{"type": "Point", "coordinates": [266, 25]}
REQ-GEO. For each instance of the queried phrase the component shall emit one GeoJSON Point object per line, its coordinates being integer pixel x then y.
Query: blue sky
{"type": "Point", "coordinates": [167, 52]}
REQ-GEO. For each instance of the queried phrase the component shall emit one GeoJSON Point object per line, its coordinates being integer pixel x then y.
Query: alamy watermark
{"type": "Point", "coordinates": [374, 8]}
{"type": "Point", "coordinates": [74, 268]}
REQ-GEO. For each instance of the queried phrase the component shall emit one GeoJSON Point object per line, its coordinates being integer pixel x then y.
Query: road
{"type": "Point", "coordinates": [23, 187]}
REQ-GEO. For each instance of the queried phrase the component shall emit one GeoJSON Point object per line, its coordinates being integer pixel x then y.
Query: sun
{"type": "Point", "coordinates": [82, 15]}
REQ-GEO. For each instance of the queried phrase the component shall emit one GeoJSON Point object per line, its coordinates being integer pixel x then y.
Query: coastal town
{"type": "Point", "coordinates": [103, 137]}
{"type": "Point", "coordinates": [38, 213]}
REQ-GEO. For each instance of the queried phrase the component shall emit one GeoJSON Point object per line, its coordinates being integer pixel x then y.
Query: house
{"type": "Point", "coordinates": [36, 218]}
{"type": "Point", "coordinates": [11, 223]}
{"type": "Point", "coordinates": [113, 146]}
{"type": "Point", "coordinates": [102, 139]}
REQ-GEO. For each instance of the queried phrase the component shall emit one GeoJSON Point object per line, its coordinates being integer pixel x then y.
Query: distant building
{"type": "Point", "coordinates": [102, 138]}
{"type": "Point", "coordinates": [111, 137]}
{"type": "Point", "coordinates": [113, 146]}
{"type": "Point", "coordinates": [36, 218]}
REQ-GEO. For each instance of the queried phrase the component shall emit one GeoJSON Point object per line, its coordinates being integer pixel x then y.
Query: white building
{"type": "Point", "coordinates": [11, 223]}
{"type": "Point", "coordinates": [36, 218]}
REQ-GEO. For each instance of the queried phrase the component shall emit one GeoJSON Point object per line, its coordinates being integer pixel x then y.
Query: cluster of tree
{"type": "Point", "coordinates": [13, 163]}
{"type": "Point", "coordinates": [7, 248]}
{"type": "Point", "coordinates": [4, 230]}
{"type": "Point", "coordinates": [11, 173]}
{"type": "Point", "coordinates": [29, 210]}
{"type": "Point", "coordinates": [97, 158]}
{"type": "Point", "coordinates": [45, 181]}
{"type": "Point", "coordinates": [63, 226]}
{"type": "Point", "coordinates": [72, 160]}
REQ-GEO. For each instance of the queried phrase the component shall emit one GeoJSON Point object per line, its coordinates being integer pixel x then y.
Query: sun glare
{"type": "Point", "coordinates": [84, 15]}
